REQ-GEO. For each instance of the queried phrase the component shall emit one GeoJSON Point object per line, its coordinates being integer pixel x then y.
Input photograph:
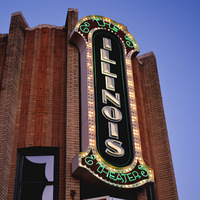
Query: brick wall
{"type": "Point", "coordinates": [45, 87]}
{"type": "Point", "coordinates": [3, 45]}
{"type": "Point", "coordinates": [8, 96]}
{"type": "Point", "coordinates": [40, 118]}
{"type": "Point", "coordinates": [154, 136]}
{"type": "Point", "coordinates": [72, 109]}
{"type": "Point", "coordinates": [39, 110]}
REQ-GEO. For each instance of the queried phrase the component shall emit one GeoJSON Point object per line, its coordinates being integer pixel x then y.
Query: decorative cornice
{"type": "Point", "coordinates": [45, 26]}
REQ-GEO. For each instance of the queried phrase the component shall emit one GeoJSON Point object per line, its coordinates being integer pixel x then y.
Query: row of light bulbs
{"type": "Point", "coordinates": [91, 105]}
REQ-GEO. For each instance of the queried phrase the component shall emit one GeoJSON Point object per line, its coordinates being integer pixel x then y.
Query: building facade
{"type": "Point", "coordinates": [41, 118]}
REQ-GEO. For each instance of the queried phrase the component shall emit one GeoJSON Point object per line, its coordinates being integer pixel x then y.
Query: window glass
{"type": "Point", "coordinates": [37, 174]}
{"type": "Point", "coordinates": [48, 193]}
{"type": "Point", "coordinates": [47, 161]}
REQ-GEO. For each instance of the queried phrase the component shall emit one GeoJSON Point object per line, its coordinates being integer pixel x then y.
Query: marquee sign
{"type": "Point", "coordinates": [111, 148]}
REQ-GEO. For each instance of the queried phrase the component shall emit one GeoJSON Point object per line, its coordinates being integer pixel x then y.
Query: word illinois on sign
{"type": "Point", "coordinates": [113, 114]}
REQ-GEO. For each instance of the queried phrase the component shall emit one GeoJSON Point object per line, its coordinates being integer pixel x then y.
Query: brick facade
{"type": "Point", "coordinates": [155, 141]}
{"type": "Point", "coordinates": [39, 106]}
{"type": "Point", "coordinates": [40, 118]}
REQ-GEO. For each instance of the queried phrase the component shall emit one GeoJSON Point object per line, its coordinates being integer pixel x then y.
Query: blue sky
{"type": "Point", "coordinates": [171, 30]}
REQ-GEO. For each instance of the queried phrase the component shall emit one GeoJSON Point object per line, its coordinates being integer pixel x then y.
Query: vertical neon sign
{"type": "Point", "coordinates": [113, 130]}
{"type": "Point", "coordinates": [110, 134]}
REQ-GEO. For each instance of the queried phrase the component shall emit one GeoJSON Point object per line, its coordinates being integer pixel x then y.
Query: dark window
{"type": "Point", "coordinates": [37, 174]}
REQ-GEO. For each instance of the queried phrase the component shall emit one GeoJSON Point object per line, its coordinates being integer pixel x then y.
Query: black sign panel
{"type": "Point", "coordinates": [113, 130]}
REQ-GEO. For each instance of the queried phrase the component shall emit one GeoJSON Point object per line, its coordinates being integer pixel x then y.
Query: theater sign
{"type": "Point", "coordinates": [110, 137]}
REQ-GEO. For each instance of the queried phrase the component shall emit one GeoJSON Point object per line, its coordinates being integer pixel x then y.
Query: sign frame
{"type": "Point", "coordinates": [89, 161]}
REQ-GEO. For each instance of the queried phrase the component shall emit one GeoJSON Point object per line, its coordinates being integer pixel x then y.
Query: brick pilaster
{"type": "Point", "coordinates": [3, 45]}
{"type": "Point", "coordinates": [72, 107]}
{"type": "Point", "coordinates": [158, 137]}
{"type": "Point", "coordinates": [8, 97]}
